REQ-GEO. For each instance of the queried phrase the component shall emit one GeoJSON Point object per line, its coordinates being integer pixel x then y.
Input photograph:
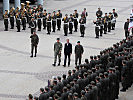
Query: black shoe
{"type": "Point", "coordinates": [65, 35]}
{"type": "Point", "coordinates": [97, 37]}
{"type": "Point", "coordinates": [44, 28]}
{"type": "Point", "coordinates": [105, 33]}
{"type": "Point", "coordinates": [35, 56]}
{"type": "Point", "coordinates": [64, 65]}
{"type": "Point", "coordinates": [54, 65]}
{"type": "Point", "coordinates": [68, 65]}
{"type": "Point", "coordinates": [18, 31]}
{"type": "Point", "coordinates": [48, 33]}
{"type": "Point", "coordinates": [100, 35]}
{"type": "Point", "coordinates": [31, 56]}
{"type": "Point", "coordinates": [23, 29]}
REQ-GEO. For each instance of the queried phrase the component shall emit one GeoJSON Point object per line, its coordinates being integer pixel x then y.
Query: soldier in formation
{"type": "Point", "coordinates": [97, 79]}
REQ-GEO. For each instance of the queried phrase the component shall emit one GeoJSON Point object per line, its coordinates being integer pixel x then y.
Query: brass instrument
{"type": "Point", "coordinates": [58, 14]}
{"type": "Point", "coordinates": [74, 15]}
{"type": "Point", "coordinates": [104, 20]}
{"type": "Point", "coordinates": [64, 18]}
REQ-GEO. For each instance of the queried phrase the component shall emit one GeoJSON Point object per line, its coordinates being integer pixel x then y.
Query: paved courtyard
{"type": "Point", "coordinates": [21, 75]}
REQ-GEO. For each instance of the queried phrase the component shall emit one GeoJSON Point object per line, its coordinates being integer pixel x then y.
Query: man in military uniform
{"type": "Point", "coordinates": [44, 16]}
{"type": "Point", "coordinates": [34, 42]}
{"type": "Point", "coordinates": [59, 16]}
{"type": "Point", "coordinates": [110, 17]}
{"type": "Point", "coordinates": [126, 28]}
{"type": "Point", "coordinates": [11, 14]}
{"type": "Point", "coordinates": [66, 20]}
{"type": "Point", "coordinates": [71, 24]}
{"type": "Point", "coordinates": [75, 16]}
{"type": "Point", "coordinates": [49, 23]}
{"type": "Point", "coordinates": [57, 51]}
{"type": "Point", "coordinates": [23, 17]}
{"type": "Point", "coordinates": [78, 53]}
{"type": "Point", "coordinates": [32, 25]}
{"type": "Point", "coordinates": [6, 20]}
{"type": "Point", "coordinates": [99, 13]}
{"type": "Point", "coordinates": [97, 27]}
{"type": "Point", "coordinates": [115, 15]}
{"type": "Point", "coordinates": [82, 25]}
{"type": "Point", "coordinates": [54, 21]}
{"type": "Point", "coordinates": [101, 26]}
{"type": "Point", "coordinates": [105, 21]}
{"type": "Point", "coordinates": [18, 21]}
{"type": "Point", "coordinates": [39, 21]}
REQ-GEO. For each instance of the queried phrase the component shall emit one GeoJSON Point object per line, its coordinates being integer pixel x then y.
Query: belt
{"type": "Point", "coordinates": [49, 21]}
{"type": "Point", "coordinates": [66, 23]}
{"type": "Point", "coordinates": [59, 18]}
{"type": "Point", "coordinates": [82, 24]}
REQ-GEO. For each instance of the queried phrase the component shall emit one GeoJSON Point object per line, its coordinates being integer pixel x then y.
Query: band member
{"type": "Point", "coordinates": [59, 17]}
{"type": "Point", "coordinates": [49, 23]}
{"type": "Point", "coordinates": [6, 20]}
{"type": "Point", "coordinates": [32, 25]}
{"type": "Point", "coordinates": [39, 21]}
{"type": "Point", "coordinates": [44, 19]}
{"type": "Point", "coordinates": [71, 24]}
{"type": "Point", "coordinates": [29, 16]}
{"type": "Point", "coordinates": [23, 17]}
{"type": "Point", "coordinates": [54, 21]}
{"type": "Point", "coordinates": [115, 15]}
{"type": "Point", "coordinates": [18, 21]}
{"type": "Point", "coordinates": [82, 25]}
{"type": "Point", "coordinates": [101, 26]}
{"type": "Point", "coordinates": [110, 17]}
{"type": "Point", "coordinates": [97, 27]}
{"type": "Point", "coordinates": [75, 16]}
{"type": "Point", "coordinates": [66, 20]}
{"type": "Point", "coordinates": [105, 20]}
{"type": "Point", "coordinates": [11, 14]}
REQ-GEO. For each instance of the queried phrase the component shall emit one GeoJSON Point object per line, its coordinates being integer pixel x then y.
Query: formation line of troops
{"type": "Point", "coordinates": [37, 18]}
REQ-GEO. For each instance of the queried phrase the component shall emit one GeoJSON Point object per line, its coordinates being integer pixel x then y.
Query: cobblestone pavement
{"type": "Point", "coordinates": [21, 75]}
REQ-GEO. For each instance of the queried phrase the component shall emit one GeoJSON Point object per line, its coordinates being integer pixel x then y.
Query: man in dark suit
{"type": "Point", "coordinates": [67, 52]}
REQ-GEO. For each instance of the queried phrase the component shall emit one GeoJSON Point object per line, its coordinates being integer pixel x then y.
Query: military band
{"type": "Point", "coordinates": [36, 17]}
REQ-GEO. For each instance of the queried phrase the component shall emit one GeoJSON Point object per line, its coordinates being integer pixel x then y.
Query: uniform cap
{"type": "Point", "coordinates": [58, 38]}
{"type": "Point", "coordinates": [78, 42]}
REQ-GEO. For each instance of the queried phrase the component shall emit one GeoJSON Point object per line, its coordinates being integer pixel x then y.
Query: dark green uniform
{"type": "Point", "coordinates": [78, 53]}
{"type": "Point", "coordinates": [57, 51]}
{"type": "Point", "coordinates": [34, 43]}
